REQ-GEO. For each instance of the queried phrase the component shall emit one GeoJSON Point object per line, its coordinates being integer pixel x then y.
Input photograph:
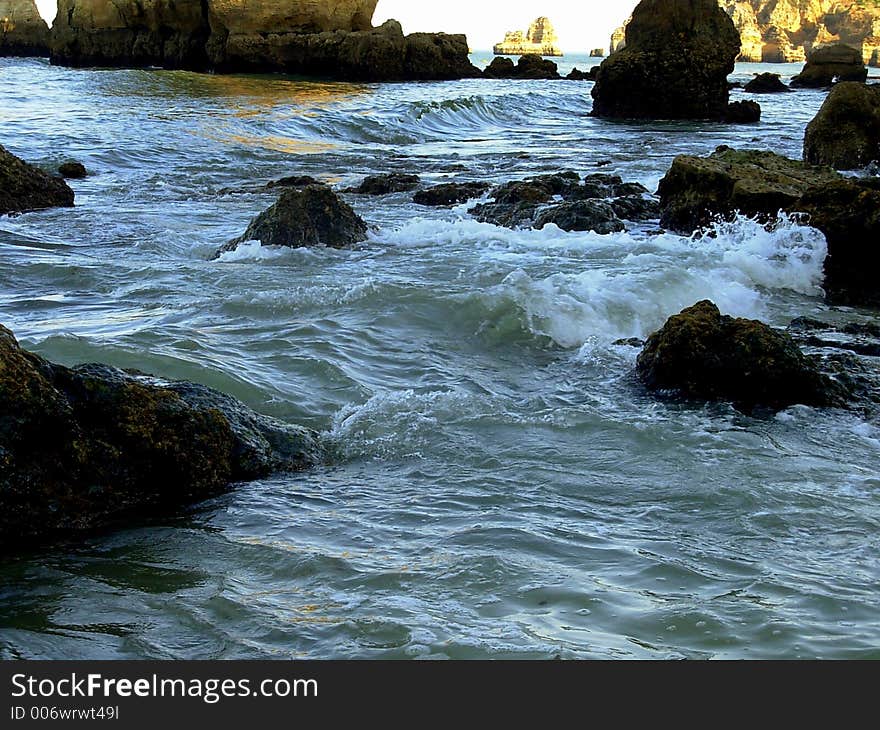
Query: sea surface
{"type": "Point", "coordinates": [501, 486]}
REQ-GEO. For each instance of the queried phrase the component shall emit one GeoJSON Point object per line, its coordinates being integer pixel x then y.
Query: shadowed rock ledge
{"type": "Point", "coordinates": [23, 32]}
{"type": "Point", "coordinates": [333, 40]}
{"type": "Point", "coordinates": [91, 446]}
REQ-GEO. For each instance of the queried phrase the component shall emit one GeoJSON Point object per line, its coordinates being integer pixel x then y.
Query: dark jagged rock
{"type": "Point", "coordinates": [829, 64]}
{"type": "Point", "coordinates": [294, 181]}
{"type": "Point", "coordinates": [766, 83]}
{"type": "Point", "coordinates": [630, 189]}
{"type": "Point", "coordinates": [700, 354]}
{"type": "Point", "coordinates": [310, 216]}
{"type": "Point", "coordinates": [633, 208]}
{"type": "Point", "coordinates": [529, 66]}
{"type": "Point", "coordinates": [24, 187]}
{"type": "Point", "coordinates": [583, 215]}
{"type": "Point", "coordinates": [845, 134]}
{"type": "Point", "coordinates": [450, 193]}
{"type": "Point", "coordinates": [577, 75]}
{"type": "Point", "coordinates": [675, 64]}
{"type": "Point", "coordinates": [72, 170]}
{"type": "Point", "coordinates": [848, 213]}
{"type": "Point", "coordinates": [91, 446]}
{"type": "Point", "coordinates": [697, 190]}
{"type": "Point", "coordinates": [23, 32]}
{"type": "Point", "coordinates": [743, 112]}
{"type": "Point", "coordinates": [394, 182]}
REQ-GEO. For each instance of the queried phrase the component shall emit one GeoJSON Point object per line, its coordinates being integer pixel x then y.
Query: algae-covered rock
{"type": "Point", "coordinates": [24, 187]}
{"type": "Point", "coordinates": [846, 132]}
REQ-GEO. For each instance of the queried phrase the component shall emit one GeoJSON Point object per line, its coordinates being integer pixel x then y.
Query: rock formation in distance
{"type": "Point", "coordinates": [540, 39]}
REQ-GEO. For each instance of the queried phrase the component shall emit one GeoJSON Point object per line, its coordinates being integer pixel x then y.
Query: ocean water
{"type": "Point", "coordinates": [501, 485]}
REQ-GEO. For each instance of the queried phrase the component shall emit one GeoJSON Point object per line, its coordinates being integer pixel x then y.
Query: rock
{"type": "Point", "coordinates": [394, 182]}
{"type": "Point", "coordinates": [583, 215]}
{"type": "Point", "coordinates": [578, 75]}
{"type": "Point", "coordinates": [766, 83]}
{"type": "Point", "coordinates": [597, 53]}
{"type": "Point", "coordinates": [91, 446]}
{"type": "Point", "coordinates": [23, 32]}
{"type": "Point", "coordinates": [331, 39]}
{"type": "Point", "coordinates": [697, 190]}
{"type": "Point", "coordinates": [293, 181]}
{"type": "Point", "coordinates": [528, 67]}
{"type": "Point", "coordinates": [450, 193]}
{"type": "Point", "coordinates": [848, 213]}
{"type": "Point", "coordinates": [845, 134]}
{"type": "Point", "coordinates": [702, 355]}
{"type": "Point", "coordinates": [774, 31]}
{"type": "Point", "coordinates": [675, 64]}
{"type": "Point", "coordinates": [23, 187]}
{"type": "Point", "coordinates": [830, 64]}
{"type": "Point", "coordinates": [72, 170]}
{"type": "Point", "coordinates": [539, 39]}
{"type": "Point", "coordinates": [310, 216]}
{"type": "Point", "coordinates": [520, 214]}
{"type": "Point", "coordinates": [743, 112]}
{"type": "Point", "coordinates": [636, 209]}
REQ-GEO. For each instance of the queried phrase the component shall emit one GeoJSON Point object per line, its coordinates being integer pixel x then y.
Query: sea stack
{"type": "Point", "coordinates": [675, 64]}
{"type": "Point", "coordinates": [23, 32]}
{"type": "Point", "coordinates": [540, 39]}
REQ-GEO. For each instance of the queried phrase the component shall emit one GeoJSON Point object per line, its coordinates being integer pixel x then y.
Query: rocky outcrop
{"type": "Point", "coordinates": [700, 354]}
{"type": "Point", "coordinates": [597, 53]}
{"type": "Point", "coordinates": [848, 213]}
{"type": "Point", "coordinates": [540, 39]}
{"type": "Point", "coordinates": [307, 216]}
{"type": "Point", "coordinates": [24, 187]}
{"type": "Point", "coordinates": [743, 112]}
{"type": "Point", "coordinates": [530, 67]}
{"type": "Point", "coordinates": [92, 446]}
{"type": "Point", "coordinates": [23, 32]}
{"type": "Point", "coordinates": [766, 83]}
{"type": "Point", "coordinates": [452, 193]}
{"type": "Point", "coordinates": [600, 203]}
{"type": "Point", "coordinates": [698, 190]}
{"type": "Point", "coordinates": [675, 64]}
{"type": "Point", "coordinates": [393, 182]}
{"type": "Point", "coordinates": [72, 170]}
{"type": "Point", "coordinates": [329, 40]}
{"type": "Point", "coordinates": [831, 64]}
{"type": "Point", "coordinates": [845, 134]}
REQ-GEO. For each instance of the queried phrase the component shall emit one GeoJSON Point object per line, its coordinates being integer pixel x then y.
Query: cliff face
{"type": "Point", "coordinates": [540, 39]}
{"type": "Point", "coordinates": [22, 31]}
{"type": "Point", "coordinates": [785, 31]}
{"type": "Point", "coordinates": [310, 37]}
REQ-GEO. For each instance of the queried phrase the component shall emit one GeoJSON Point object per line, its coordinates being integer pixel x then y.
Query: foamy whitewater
{"type": "Point", "coordinates": [501, 485]}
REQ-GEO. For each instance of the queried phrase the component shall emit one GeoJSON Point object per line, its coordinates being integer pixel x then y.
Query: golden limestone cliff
{"type": "Point", "coordinates": [22, 31]}
{"type": "Point", "coordinates": [785, 31]}
{"type": "Point", "coordinates": [539, 39]}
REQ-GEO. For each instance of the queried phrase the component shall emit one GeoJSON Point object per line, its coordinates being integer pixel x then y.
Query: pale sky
{"type": "Point", "coordinates": [581, 24]}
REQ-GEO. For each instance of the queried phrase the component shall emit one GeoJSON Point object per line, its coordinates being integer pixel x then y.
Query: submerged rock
{"type": "Point", "coordinates": [766, 83]}
{"type": "Point", "coordinates": [450, 193]}
{"type": "Point", "coordinates": [674, 65]}
{"type": "Point", "coordinates": [829, 64]}
{"type": "Point", "coordinates": [743, 112]}
{"type": "Point", "coordinates": [23, 32]}
{"type": "Point", "coordinates": [308, 216]}
{"type": "Point", "coordinates": [293, 181]}
{"type": "Point", "coordinates": [700, 354]}
{"type": "Point", "coordinates": [24, 187]}
{"type": "Point", "coordinates": [394, 182]}
{"type": "Point", "coordinates": [845, 134]}
{"type": "Point", "coordinates": [577, 75]}
{"type": "Point", "coordinates": [583, 215]}
{"type": "Point", "coordinates": [72, 170]}
{"type": "Point", "coordinates": [91, 446]}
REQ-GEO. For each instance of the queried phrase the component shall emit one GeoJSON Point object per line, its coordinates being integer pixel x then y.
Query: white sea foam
{"type": "Point", "coordinates": [252, 251]}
